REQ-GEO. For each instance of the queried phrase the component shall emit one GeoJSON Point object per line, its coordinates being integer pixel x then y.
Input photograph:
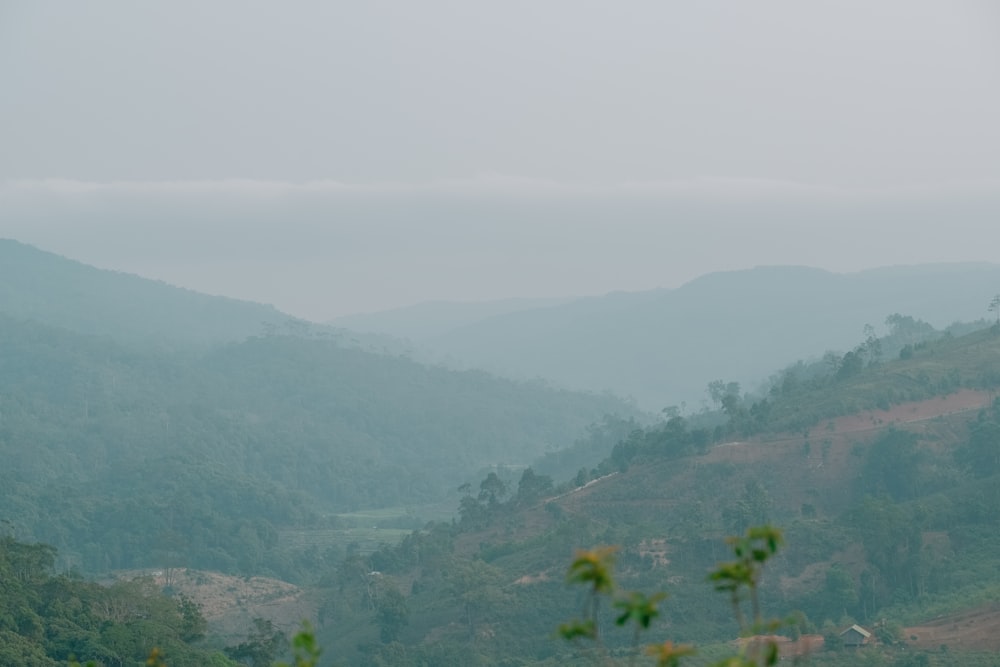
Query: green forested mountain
{"type": "Point", "coordinates": [47, 288]}
{"type": "Point", "coordinates": [664, 346]}
{"type": "Point", "coordinates": [888, 494]}
{"type": "Point", "coordinates": [124, 456]}
{"type": "Point", "coordinates": [253, 454]}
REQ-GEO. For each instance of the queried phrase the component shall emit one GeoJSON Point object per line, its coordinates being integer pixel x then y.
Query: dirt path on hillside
{"type": "Point", "coordinates": [964, 400]}
{"type": "Point", "coordinates": [838, 433]}
{"type": "Point", "coordinates": [579, 489]}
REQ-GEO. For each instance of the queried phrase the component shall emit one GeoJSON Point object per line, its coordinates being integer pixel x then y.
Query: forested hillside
{"type": "Point", "coordinates": [123, 456]}
{"type": "Point", "coordinates": [888, 500]}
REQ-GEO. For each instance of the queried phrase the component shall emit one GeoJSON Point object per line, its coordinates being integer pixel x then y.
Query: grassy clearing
{"type": "Point", "coordinates": [365, 531]}
{"type": "Point", "coordinates": [385, 516]}
{"type": "Point", "coordinates": [362, 540]}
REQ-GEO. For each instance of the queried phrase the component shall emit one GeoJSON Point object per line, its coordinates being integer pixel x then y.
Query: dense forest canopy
{"type": "Point", "coordinates": [101, 439]}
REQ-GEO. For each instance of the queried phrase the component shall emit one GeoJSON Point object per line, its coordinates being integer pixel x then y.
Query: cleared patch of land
{"type": "Point", "coordinates": [972, 630]}
{"type": "Point", "coordinates": [230, 603]}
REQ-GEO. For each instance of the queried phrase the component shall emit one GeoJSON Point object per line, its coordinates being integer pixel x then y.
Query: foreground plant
{"type": "Point", "coordinates": [740, 577]}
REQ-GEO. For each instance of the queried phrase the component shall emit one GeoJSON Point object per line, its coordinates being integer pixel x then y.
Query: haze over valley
{"type": "Point", "coordinates": [446, 334]}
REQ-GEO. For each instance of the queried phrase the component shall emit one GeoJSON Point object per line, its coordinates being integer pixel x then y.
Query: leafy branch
{"type": "Point", "coordinates": [740, 577]}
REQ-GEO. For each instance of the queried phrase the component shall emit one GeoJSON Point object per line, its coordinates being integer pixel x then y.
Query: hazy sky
{"type": "Point", "coordinates": [331, 157]}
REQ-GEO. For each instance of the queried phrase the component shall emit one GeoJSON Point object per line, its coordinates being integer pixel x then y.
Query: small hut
{"type": "Point", "coordinates": [855, 636]}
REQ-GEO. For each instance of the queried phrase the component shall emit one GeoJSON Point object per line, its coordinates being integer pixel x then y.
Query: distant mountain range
{"type": "Point", "coordinates": [663, 346]}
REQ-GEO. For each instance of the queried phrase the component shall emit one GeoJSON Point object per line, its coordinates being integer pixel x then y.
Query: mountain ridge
{"type": "Point", "coordinates": [52, 289]}
{"type": "Point", "coordinates": [663, 346]}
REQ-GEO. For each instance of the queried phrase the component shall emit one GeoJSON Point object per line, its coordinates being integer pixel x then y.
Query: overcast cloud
{"type": "Point", "coordinates": [336, 157]}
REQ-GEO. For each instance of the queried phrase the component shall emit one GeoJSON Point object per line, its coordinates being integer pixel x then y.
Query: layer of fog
{"type": "Point", "coordinates": [321, 249]}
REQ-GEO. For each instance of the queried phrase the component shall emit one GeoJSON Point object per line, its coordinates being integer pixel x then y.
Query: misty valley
{"type": "Point", "coordinates": [195, 480]}
{"type": "Point", "coordinates": [499, 334]}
